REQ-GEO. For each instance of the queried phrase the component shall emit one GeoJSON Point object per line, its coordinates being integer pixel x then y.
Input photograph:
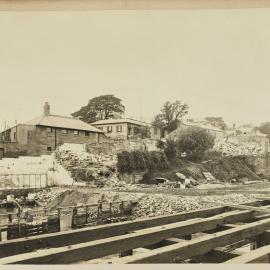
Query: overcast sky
{"type": "Point", "coordinates": [217, 61]}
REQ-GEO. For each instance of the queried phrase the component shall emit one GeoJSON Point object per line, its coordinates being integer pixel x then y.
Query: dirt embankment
{"type": "Point", "coordinates": [224, 169]}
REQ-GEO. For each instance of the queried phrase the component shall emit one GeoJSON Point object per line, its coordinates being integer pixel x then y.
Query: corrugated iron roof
{"type": "Point", "coordinates": [118, 121]}
{"type": "Point", "coordinates": [62, 122]}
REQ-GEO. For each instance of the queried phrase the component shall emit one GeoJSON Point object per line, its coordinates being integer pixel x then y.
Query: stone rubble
{"type": "Point", "coordinates": [238, 148]}
{"type": "Point", "coordinates": [161, 204]}
{"type": "Point", "coordinates": [45, 196]}
{"type": "Point", "coordinates": [88, 167]}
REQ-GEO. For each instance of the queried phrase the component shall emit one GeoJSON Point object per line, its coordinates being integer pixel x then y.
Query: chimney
{"type": "Point", "coordinates": [46, 109]}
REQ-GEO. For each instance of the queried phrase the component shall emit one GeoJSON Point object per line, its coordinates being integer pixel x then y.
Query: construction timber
{"type": "Point", "coordinates": [223, 234]}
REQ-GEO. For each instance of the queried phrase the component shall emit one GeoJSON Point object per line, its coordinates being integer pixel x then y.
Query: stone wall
{"type": "Point", "coordinates": [57, 137]}
{"type": "Point", "coordinates": [115, 146]}
{"type": "Point", "coordinates": [16, 149]}
{"type": "Point", "coordinates": [36, 141]}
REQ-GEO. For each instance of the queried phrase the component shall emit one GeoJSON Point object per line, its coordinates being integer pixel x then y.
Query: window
{"type": "Point", "coordinates": [76, 132]}
{"type": "Point", "coordinates": [155, 130]}
{"type": "Point", "coordinates": [64, 131]}
{"type": "Point", "coordinates": [14, 135]}
{"type": "Point", "coordinates": [87, 133]}
{"type": "Point", "coordinates": [49, 130]}
{"type": "Point", "coordinates": [49, 148]}
{"type": "Point", "coordinates": [119, 128]}
{"type": "Point", "coordinates": [101, 128]}
{"type": "Point", "coordinates": [109, 129]}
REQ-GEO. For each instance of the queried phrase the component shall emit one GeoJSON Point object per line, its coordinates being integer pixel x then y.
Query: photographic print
{"type": "Point", "coordinates": [134, 132]}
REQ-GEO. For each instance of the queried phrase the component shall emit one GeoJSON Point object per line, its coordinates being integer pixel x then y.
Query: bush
{"type": "Point", "coordinates": [125, 162]}
{"type": "Point", "coordinates": [141, 161]}
{"type": "Point", "coordinates": [169, 147]}
{"type": "Point", "coordinates": [195, 142]}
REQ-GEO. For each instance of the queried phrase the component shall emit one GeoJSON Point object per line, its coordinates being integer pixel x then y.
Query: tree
{"type": "Point", "coordinates": [100, 108]}
{"type": "Point", "coordinates": [170, 115]}
{"type": "Point", "coordinates": [264, 128]}
{"type": "Point", "coordinates": [216, 122]}
{"type": "Point", "coordinates": [195, 142]}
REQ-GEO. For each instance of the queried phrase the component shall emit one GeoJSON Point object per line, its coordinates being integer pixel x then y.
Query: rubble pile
{"type": "Point", "coordinates": [237, 148]}
{"type": "Point", "coordinates": [46, 196]}
{"type": "Point", "coordinates": [161, 204]}
{"type": "Point", "coordinates": [87, 167]}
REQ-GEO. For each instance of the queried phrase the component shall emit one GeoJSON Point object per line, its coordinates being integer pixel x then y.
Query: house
{"type": "Point", "coordinates": [217, 133]}
{"type": "Point", "coordinates": [247, 133]}
{"type": "Point", "coordinates": [46, 132]}
{"type": "Point", "coordinates": [126, 128]}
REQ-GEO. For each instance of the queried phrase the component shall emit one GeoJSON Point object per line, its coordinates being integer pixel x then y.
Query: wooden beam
{"type": "Point", "coordinates": [260, 255]}
{"type": "Point", "coordinates": [116, 244]}
{"type": "Point", "coordinates": [182, 251]}
{"type": "Point", "coordinates": [229, 226]}
{"type": "Point", "coordinates": [23, 245]}
{"type": "Point", "coordinates": [216, 255]}
{"type": "Point", "coordinates": [262, 209]}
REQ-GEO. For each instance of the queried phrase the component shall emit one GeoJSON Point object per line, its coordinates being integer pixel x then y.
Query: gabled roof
{"type": "Point", "coordinates": [118, 121]}
{"type": "Point", "coordinates": [62, 122]}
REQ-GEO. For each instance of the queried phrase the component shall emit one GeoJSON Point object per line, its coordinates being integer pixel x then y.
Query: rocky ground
{"type": "Point", "coordinates": [238, 148]}
{"type": "Point", "coordinates": [160, 204]}
{"type": "Point", "coordinates": [86, 167]}
{"type": "Point", "coordinates": [46, 196]}
{"type": "Point", "coordinates": [148, 205]}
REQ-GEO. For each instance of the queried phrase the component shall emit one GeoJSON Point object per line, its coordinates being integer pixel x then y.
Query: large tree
{"type": "Point", "coordinates": [216, 122]}
{"type": "Point", "coordinates": [170, 115]}
{"type": "Point", "coordinates": [100, 108]}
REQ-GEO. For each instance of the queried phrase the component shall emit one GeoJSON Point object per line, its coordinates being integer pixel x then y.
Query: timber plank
{"type": "Point", "coordinates": [181, 251]}
{"type": "Point", "coordinates": [53, 240]}
{"type": "Point", "coordinates": [260, 255]}
{"type": "Point", "coordinates": [103, 247]}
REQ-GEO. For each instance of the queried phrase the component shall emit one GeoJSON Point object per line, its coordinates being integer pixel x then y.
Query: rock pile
{"type": "Point", "coordinates": [160, 204]}
{"type": "Point", "coordinates": [87, 167]}
{"type": "Point", "coordinates": [236, 148]}
{"type": "Point", "coordinates": [45, 196]}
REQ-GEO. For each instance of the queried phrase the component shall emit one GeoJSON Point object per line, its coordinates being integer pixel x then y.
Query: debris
{"type": "Point", "coordinates": [208, 176]}
{"type": "Point", "coordinates": [180, 175]}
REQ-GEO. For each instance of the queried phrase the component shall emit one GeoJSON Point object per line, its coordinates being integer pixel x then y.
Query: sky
{"type": "Point", "coordinates": [216, 61]}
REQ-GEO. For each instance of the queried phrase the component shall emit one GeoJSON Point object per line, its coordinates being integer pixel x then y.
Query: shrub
{"type": "Point", "coordinates": [125, 162]}
{"type": "Point", "coordinates": [195, 142]}
{"type": "Point", "coordinates": [169, 147]}
{"type": "Point", "coordinates": [141, 161]}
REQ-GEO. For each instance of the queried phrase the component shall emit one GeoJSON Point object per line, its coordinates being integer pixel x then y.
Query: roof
{"type": "Point", "coordinates": [118, 121]}
{"type": "Point", "coordinates": [201, 125]}
{"type": "Point", "coordinates": [62, 122]}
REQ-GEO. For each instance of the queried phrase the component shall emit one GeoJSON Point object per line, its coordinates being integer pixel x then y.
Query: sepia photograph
{"type": "Point", "coordinates": [134, 132]}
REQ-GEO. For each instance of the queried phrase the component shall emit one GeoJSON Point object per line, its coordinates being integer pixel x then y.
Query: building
{"type": "Point", "coordinates": [217, 133]}
{"type": "Point", "coordinates": [126, 128]}
{"type": "Point", "coordinates": [247, 133]}
{"type": "Point", "coordinates": [45, 133]}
